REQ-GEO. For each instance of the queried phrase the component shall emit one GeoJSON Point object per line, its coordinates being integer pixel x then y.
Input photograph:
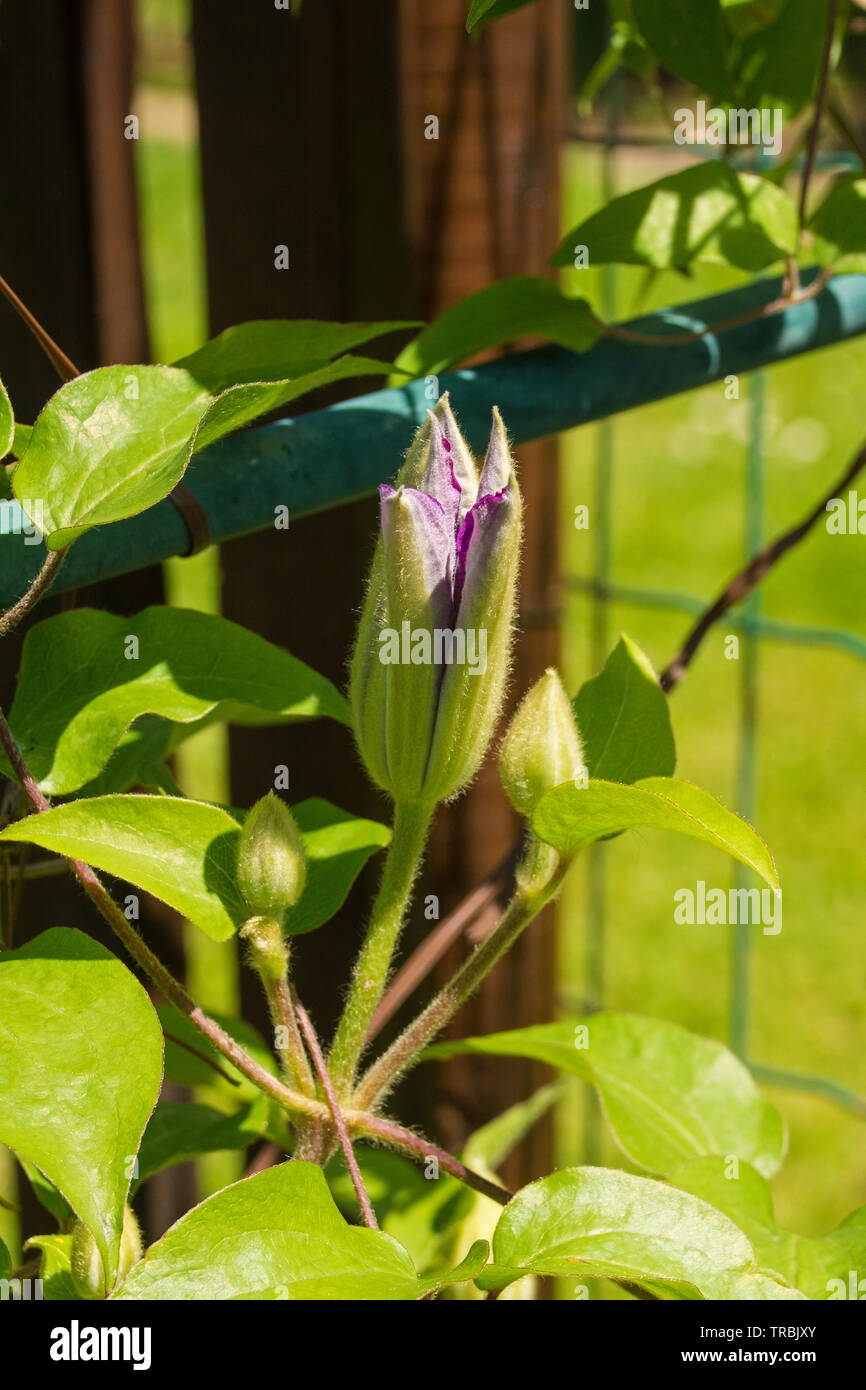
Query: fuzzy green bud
{"type": "Point", "coordinates": [541, 748]}
{"type": "Point", "coordinates": [434, 641]}
{"type": "Point", "coordinates": [272, 866]}
{"type": "Point", "coordinates": [268, 952]}
{"type": "Point", "coordinates": [88, 1274]}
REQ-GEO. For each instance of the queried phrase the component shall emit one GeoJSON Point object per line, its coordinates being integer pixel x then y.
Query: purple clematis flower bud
{"type": "Point", "coordinates": [432, 654]}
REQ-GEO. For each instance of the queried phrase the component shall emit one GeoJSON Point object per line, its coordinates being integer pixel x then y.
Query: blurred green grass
{"type": "Point", "coordinates": [678, 522]}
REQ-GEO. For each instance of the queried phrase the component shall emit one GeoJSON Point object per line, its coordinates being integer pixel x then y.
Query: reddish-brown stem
{"type": "Point", "coordinates": [388, 1132]}
{"type": "Point", "coordinates": [208, 1061]}
{"type": "Point", "coordinates": [312, 1041]}
{"type": "Point", "coordinates": [820, 103]}
{"type": "Point", "coordinates": [64, 368]}
{"type": "Point", "coordinates": [776, 306]}
{"type": "Point", "coordinates": [748, 578]}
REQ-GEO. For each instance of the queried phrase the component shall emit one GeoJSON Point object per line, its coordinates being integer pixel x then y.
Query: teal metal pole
{"type": "Point", "coordinates": [317, 460]}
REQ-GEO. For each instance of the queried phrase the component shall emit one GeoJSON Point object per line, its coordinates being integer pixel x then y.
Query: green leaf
{"type": "Point", "coordinates": [819, 1266]}
{"type": "Point", "coordinates": [483, 12]}
{"type": "Point", "coordinates": [779, 64]}
{"type": "Point", "coordinates": [78, 691]}
{"type": "Point", "coordinates": [5, 1261]}
{"type": "Point", "coordinates": [279, 1235]}
{"type": "Point", "coordinates": [82, 1054]}
{"type": "Point", "coordinates": [45, 1191]}
{"type": "Point", "coordinates": [745, 16]}
{"type": "Point", "coordinates": [839, 225]}
{"type": "Point", "coordinates": [184, 852]}
{"type": "Point", "coordinates": [240, 405]}
{"type": "Point", "coordinates": [527, 306]}
{"type": "Point", "coordinates": [108, 444]}
{"type": "Point", "coordinates": [707, 212]}
{"type": "Point", "coordinates": [337, 845]}
{"type": "Point", "coordinates": [668, 1094]}
{"type": "Point", "coordinates": [137, 761]}
{"type": "Point", "coordinates": [21, 439]}
{"type": "Point", "coordinates": [624, 720]}
{"type": "Point", "coordinates": [276, 350]}
{"type": "Point", "coordinates": [688, 37]}
{"type": "Point", "coordinates": [597, 1223]}
{"type": "Point", "coordinates": [116, 440]}
{"type": "Point", "coordinates": [422, 1214]}
{"type": "Point", "coordinates": [7, 422]}
{"type": "Point", "coordinates": [55, 1267]}
{"type": "Point", "coordinates": [570, 817]}
{"type": "Point", "coordinates": [181, 1131]}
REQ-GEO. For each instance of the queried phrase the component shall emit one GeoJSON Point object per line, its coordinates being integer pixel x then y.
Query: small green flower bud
{"type": "Point", "coordinates": [87, 1271]}
{"type": "Point", "coordinates": [272, 868]}
{"type": "Point", "coordinates": [269, 954]}
{"type": "Point", "coordinates": [541, 748]}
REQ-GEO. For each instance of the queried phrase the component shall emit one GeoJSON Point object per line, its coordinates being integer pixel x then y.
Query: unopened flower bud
{"type": "Point", "coordinates": [88, 1274]}
{"type": "Point", "coordinates": [541, 748]}
{"type": "Point", "coordinates": [269, 954]}
{"type": "Point", "coordinates": [272, 867]}
{"type": "Point", "coordinates": [432, 652]}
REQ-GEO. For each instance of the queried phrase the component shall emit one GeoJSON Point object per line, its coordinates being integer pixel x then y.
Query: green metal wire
{"type": "Point", "coordinates": [747, 769]}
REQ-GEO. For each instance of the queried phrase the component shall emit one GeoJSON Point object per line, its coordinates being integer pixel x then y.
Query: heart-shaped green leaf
{"type": "Point", "coordinates": [707, 212]}
{"type": "Point", "coordinates": [668, 1094]}
{"type": "Point", "coordinates": [108, 444]}
{"type": "Point", "coordinates": [114, 441]}
{"type": "Point", "coordinates": [182, 852]}
{"type": "Point", "coordinates": [527, 306]}
{"type": "Point", "coordinates": [598, 1223]}
{"type": "Point", "coordinates": [570, 817]}
{"type": "Point", "coordinates": [185, 853]}
{"type": "Point", "coordinates": [84, 680]}
{"type": "Point", "coordinates": [821, 1267]}
{"type": "Point", "coordinates": [280, 1235]}
{"type": "Point", "coordinates": [82, 1060]}
{"type": "Point", "coordinates": [624, 721]}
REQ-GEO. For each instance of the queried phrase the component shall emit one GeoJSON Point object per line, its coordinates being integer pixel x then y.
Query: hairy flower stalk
{"type": "Point", "coordinates": [541, 750]}
{"type": "Point", "coordinates": [430, 665]}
